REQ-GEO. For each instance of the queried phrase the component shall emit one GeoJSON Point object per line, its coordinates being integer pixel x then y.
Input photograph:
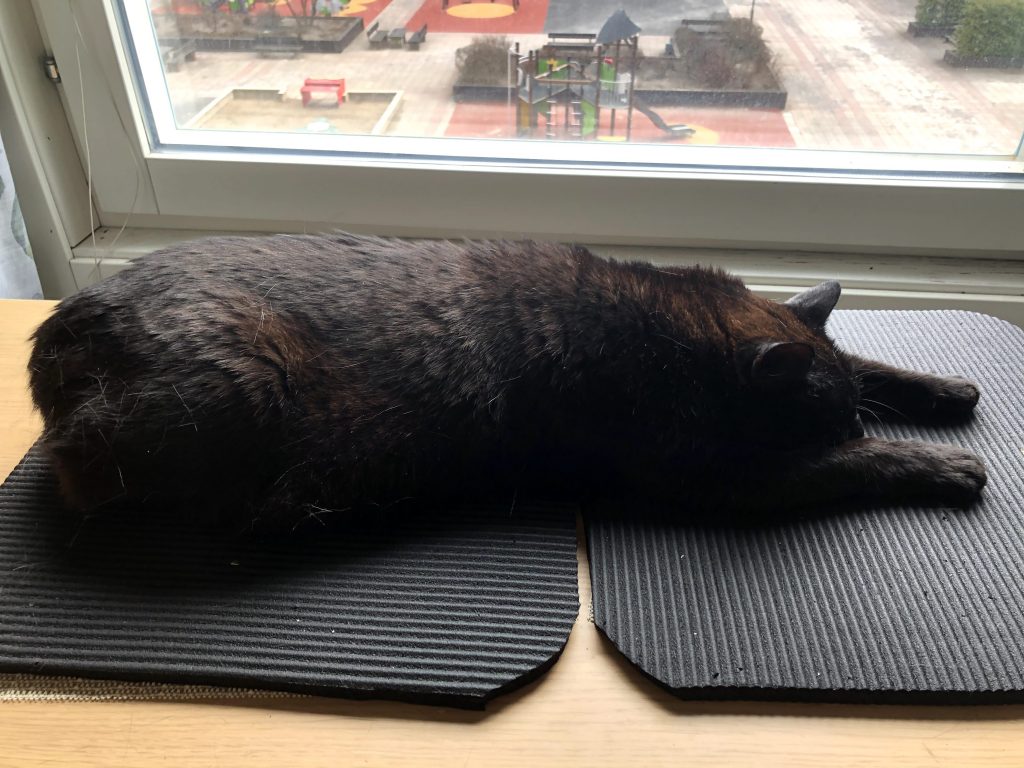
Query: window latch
{"type": "Point", "coordinates": [50, 70]}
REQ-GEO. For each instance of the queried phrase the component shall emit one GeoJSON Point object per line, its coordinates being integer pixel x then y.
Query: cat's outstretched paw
{"type": "Point", "coordinates": [954, 397]}
{"type": "Point", "coordinates": [958, 476]}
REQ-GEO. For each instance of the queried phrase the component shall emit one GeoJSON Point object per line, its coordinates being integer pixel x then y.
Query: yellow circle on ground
{"type": "Point", "coordinates": [481, 10]}
{"type": "Point", "coordinates": [702, 135]}
{"type": "Point", "coordinates": [356, 7]}
{"type": "Point", "coordinates": [611, 138]}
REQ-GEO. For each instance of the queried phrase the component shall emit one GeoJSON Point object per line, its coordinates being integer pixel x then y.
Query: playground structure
{"type": "Point", "coordinates": [562, 88]}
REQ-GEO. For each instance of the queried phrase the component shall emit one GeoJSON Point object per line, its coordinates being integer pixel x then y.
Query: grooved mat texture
{"type": "Point", "coordinates": [888, 605]}
{"type": "Point", "coordinates": [453, 607]}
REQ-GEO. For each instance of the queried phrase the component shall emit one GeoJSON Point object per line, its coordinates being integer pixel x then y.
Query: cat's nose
{"type": "Point", "coordinates": [857, 430]}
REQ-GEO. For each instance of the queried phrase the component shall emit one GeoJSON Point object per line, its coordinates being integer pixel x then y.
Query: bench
{"type": "Point", "coordinates": [175, 55]}
{"type": "Point", "coordinates": [375, 36]}
{"type": "Point", "coordinates": [269, 43]}
{"type": "Point", "coordinates": [313, 85]}
{"type": "Point", "coordinates": [416, 39]}
{"type": "Point", "coordinates": [396, 37]}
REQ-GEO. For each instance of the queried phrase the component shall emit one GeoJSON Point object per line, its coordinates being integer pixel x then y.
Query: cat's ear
{"type": "Point", "coordinates": [780, 363]}
{"type": "Point", "coordinates": [814, 305]}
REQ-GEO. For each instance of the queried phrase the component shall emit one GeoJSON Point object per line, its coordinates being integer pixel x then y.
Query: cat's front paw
{"type": "Point", "coordinates": [958, 475]}
{"type": "Point", "coordinates": [954, 397]}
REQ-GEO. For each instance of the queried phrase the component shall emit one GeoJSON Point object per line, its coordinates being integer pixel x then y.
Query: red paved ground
{"type": "Point", "coordinates": [281, 8]}
{"type": "Point", "coordinates": [528, 19]}
{"type": "Point", "coordinates": [732, 127]}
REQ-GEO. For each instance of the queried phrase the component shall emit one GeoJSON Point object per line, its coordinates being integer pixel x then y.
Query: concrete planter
{"type": "Point", "coordinates": [917, 29]}
{"type": "Point", "coordinates": [954, 59]}
{"type": "Point", "coordinates": [240, 32]}
{"type": "Point", "coordinates": [711, 98]}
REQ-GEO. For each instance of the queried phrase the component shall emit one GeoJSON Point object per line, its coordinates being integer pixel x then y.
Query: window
{"type": "Point", "coordinates": [393, 149]}
{"type": "Point", "coordinates": [808, 74]}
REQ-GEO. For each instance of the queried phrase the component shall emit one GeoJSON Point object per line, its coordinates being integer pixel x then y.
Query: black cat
{"type": "Point", "coordinates": [289, 377]}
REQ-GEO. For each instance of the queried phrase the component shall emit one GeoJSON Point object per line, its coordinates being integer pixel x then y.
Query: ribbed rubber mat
{"type": "Point", "coordinates": [889, 605]}
{"type": "Point", "coordinates": [450, 607]}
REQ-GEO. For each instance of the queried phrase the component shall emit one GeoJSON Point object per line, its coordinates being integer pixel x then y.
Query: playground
{"type": "Point", "coordinates": [570, 86]}
{"type": "Point", "coordinates": [854, 78]}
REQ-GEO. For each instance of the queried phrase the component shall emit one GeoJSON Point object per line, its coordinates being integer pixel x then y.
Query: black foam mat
{"type": "Point", "coordinates": [899, 604]}
{"type": "Point", "coordinates": [449, 607]}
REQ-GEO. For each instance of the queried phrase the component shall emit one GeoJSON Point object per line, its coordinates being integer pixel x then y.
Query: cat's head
{"type": "Point", "coordinates": [799, 390]}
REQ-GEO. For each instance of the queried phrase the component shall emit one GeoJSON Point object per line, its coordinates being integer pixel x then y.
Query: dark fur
{"type": "Point", "coordinates": [288, 377]}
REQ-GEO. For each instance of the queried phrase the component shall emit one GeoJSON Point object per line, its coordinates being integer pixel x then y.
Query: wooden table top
{"type": "Point", "coordinates": [591, 709]}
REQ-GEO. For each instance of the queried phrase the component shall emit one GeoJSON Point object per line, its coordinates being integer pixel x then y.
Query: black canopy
{"type": "Point", "coordinates": [618, 27]}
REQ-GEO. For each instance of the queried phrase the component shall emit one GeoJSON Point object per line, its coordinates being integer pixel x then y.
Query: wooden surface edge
{"type": "Point", "coordinates": [19, 423]}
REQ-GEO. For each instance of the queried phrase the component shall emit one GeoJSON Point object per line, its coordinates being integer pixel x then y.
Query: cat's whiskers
{"type": "Point", "coordinates": [895, 410]}
{"type": "Point", "coordinates": [315, 511]}
{"type": "Point", "coordinates": [868, 410]}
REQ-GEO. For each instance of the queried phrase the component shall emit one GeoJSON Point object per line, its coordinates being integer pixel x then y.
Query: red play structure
{"type": "Point", "coordinates": [312, 85]}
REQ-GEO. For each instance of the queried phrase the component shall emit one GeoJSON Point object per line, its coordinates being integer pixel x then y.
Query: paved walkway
{"type": "Point", "coordinates": [397, 13]}
{"type": "Point", "coordinates": [857, 80]}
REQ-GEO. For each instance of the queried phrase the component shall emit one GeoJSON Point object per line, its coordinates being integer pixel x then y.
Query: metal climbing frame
{"type": "Point", "coordinates": [569, 75]}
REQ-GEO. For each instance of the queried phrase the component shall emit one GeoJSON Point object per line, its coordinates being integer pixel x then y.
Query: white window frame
{"type": "Point", "coordinates": [521, 156]}
{"type": "Point", "coordinates": [961, 207]}
{"type": "Point", "coordinates": [933, 204]}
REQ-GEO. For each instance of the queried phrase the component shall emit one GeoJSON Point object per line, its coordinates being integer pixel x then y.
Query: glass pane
{"type": "Point", "coordinates": [935, 76]}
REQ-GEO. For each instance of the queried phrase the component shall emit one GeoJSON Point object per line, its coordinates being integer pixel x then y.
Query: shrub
{"type": "Point", "coordinates": [733, 55]}
{"type": "Point", "coordinates": [483, 62]}
{"type": "Point", "coordinates": [992, 28]}
{"type": "Point", "coordinates": [940, 12]}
